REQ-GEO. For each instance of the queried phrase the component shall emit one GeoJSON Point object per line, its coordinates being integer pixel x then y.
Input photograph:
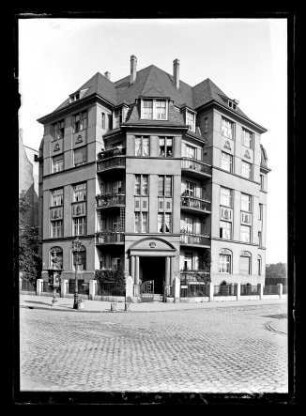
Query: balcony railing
{"type": "Point", "coordinates": [109, 237]}
{"type": "Point", "coordinates": [187, 238]}
{"type": "Point", "coordinates": [106, 154]}
{"type": "Point", "coordinates": [108, 201]}
{"type": "Point", "coordinates": [195, 166]}
{"type": "Point", "coordinates": [113, 162]}
{"type": "Point", "coordinates": [193, 203]}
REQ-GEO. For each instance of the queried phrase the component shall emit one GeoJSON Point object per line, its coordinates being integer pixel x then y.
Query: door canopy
{"type": "Point", "coordinates": [152, 247]}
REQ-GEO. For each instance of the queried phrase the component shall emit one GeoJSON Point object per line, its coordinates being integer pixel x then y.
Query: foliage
{"type": "Point", "coordinates": [115, 277]}
{"type": "Point", "coordinates": [29, 259]}
{"type": "Point", "coordinates": [276, 273]}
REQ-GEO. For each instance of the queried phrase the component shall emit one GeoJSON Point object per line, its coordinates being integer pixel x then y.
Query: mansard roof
{"type": "Point", "coordinates": [153, 82]}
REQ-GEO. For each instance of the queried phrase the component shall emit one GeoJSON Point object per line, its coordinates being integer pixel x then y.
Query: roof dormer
{"type": "Point", "coordinates": [232, 104]}
{"type": "Point", "coordinates": [77, 95]}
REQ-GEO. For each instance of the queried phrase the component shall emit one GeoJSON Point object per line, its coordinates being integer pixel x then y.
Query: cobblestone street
{"type": "Point", "coordinates": [214, 350]}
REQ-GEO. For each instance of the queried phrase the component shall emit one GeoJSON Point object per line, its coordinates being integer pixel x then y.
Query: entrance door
{"type": "Point", "coordinates": [153, 268]}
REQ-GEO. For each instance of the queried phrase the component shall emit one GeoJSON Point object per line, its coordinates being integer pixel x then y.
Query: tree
{"type": "Point", "coordinates": [276, 273]}
{"type": "Point", "coordinates": [29, 259]}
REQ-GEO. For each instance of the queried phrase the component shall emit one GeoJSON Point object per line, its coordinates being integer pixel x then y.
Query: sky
{"type": "Point", "coordinates": [246, 58]}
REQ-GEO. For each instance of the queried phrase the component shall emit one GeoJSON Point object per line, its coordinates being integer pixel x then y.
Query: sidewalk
{"type": "Point", "coordinates": [66, 304]}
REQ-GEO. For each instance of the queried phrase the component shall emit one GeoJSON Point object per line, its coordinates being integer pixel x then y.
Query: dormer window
{"type": "Point", "coordinates": [190, 120]}
{"type": "Point", "coordinates": [74, 97]}
{"type": "Point", "coordinates": [154, 109]}
{"type": "Point", "coordinates": [232, 104]}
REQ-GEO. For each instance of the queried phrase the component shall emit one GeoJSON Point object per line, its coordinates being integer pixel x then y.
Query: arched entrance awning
{"type": "Point", "coordinates": [152, 247]}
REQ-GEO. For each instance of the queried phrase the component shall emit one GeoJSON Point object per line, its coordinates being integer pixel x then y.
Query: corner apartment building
{"type": "Point", "coordinates": [156, 177]}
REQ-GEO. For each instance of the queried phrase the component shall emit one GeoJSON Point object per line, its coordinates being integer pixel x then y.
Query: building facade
{"type": "Point", "coordinates": [156, 177]}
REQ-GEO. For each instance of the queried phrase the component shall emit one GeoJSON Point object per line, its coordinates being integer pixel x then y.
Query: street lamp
{"type": "Point", "coordinates": [76, 248]}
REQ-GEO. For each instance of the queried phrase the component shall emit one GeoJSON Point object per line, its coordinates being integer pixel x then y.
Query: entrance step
{"type": "Point", "coordinates": [157, 298]}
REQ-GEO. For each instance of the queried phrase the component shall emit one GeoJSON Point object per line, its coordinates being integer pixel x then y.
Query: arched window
{"type": "Point", "coordinates": [259, 265]}
{"type": "Point", "coordinates": [225, 261]}
{"type": "Point", "coordinates": [245, 263]}
{"type": "Point", "coordinates": [56, 258]}
{"type": "Point", "coordinates": [79, 258]}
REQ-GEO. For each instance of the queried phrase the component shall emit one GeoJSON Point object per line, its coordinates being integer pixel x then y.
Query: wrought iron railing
{"type": "Point", "coordinates": [83, 287]}
{"type": "Point", "coordinates": [109, 289]}
{"type": "Point", "coordinates": [196, 165]}
{"type": "Point", "coordinates": [195, 203]}
{"type": "Point", "coordinates": [109, 163]}
{"type": "Point", "coordinates": [270, 290]}
{"type": "Point", "coordinates": [190, 238]}
{"type": "Point", "coordinates": [109, 237]}
{"type": "Point", "coordinates": [109, 200]}
{"type": "Point", "coordinates": [225, 290]}
{"type": "Point", "coordinates": [194, 289]}
{"type": "Point", "coordinates": [248, 289]}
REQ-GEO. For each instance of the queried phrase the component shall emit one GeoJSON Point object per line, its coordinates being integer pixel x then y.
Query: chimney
{"type": "Point", "coordinates": [133, 69]}
{"type": "Point", "coordinates": [107, 75]}
{"type": "Point", "coordinates": [176, 73]}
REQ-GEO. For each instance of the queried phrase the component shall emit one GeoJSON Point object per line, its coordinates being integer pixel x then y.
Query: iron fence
{"type": "Point", "coordinates": [285, 290]}
{"type": "Point", "coordinates": [194, 289]}
{"type": "Point", "coordinates": [249, 289]}
{"type": "Point", "coordinates": [109, 289]}
{"type": "Point", "coordinates": [28, 286]}
{"type": "Point", "coordinates": [83, 287]}
{"type": "Point", "coordinates": [46, 287]}
{"type": "Point", "coordinates": [225, 290]}
{"type": "Point", "coordinates": [270, 290]}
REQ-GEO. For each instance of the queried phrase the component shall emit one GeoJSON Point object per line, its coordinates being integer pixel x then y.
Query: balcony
{"type": "Point", "coordinates": [197, 205]}
{"type": "Point", "coordinates": [111, 159]}
{"type": "Point", "coordinates": [195, 168]}
{"type": "Point", "coordinates": [190, 239]}
{"type": "Point", "coordinates": [110, 201]}
{"type": "Point", "coordinates": [110, 237]}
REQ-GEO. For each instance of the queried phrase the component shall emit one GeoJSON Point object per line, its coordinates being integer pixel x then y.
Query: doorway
{"type": "Point", "coordinates": [153, 268]}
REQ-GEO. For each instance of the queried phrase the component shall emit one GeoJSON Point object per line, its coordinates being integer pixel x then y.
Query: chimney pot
{"type": "Point", "coordinates": [176, 73]}
{"type": "Point", "coordinates": [133, 69]}
{"type": "Point", "coordinates": [107, 75]}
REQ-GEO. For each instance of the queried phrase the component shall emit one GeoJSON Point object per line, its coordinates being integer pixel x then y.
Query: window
{"type": "Point", "coordinates": [57, 197]}
{"type": "Point", "coordinates": [56, 258]}
{"type": "Point", "coordinates": [227, 162]}
{"type": "Point", "coordinates": [79, 192]}
{"type": "Point", "coordinates": [57, 163]}
{"type": "Point", "coordinates": [57, 228]}
{"type": "Point", "coordinates": [164, 223]}
{"type": "Point", "coordinates": [259, 265]}
{"type": "Point", "coordinates": [232, 104]}
{"type": "Point", "coordinates": [117, 118]}
{"type": "Point", "coordinates": [259, 239]}
{"type": "Point", "coordinates": [165, 146]}
{"type": "Point", "coordinates": [79, 122]}
{"type": "Point", "coordinates": [262, 182]}
{"type": "Point", "coordinates": [245, 233]}
{"type": "Point", "coordinates": [245, 263]}
{"type": "Point", "coordinates": [58, 130]}
{"type": "Point", "coordinates": [188, 261]}
{"type": "Point", "coordinates": [79, 226]}
{"type": "Point", "coordinates": [103, 120]}
{"type": "Point", "coordinates": [246, 202]}
{"type": "Point", "coordinates": [141, 184]}
{"type": "Point", "coordinates": [225, 261]}
{"type": "Point", "coordinates": [80, 156]}
{"type": "Point", "coordinates": [190, 151]}
{"type": "Point", "coordinates": [79, 259]}
{"type": "Point", "coordinates": [225, 230]}
{"type": "Point", "coordinates": [190, 188]}
{"type": "Point", "coordinates": [247, 138]}
{"type": "Point", "coordinates": [246, 169]}
{"type": "Point", "coordinates": [154, 109]}
{"type": "Point", "coordinates": [142, 146]}
{"type": "Point", "coordinates": [141, 222]}
{"type": "Point", "coordinates": [227, 128]}
{"type": "Point", "coordinates": [190, 120]}
{"type": "Point", "coordinates": [110, 121]}
{"type": "Point", "coordinates": [260, 212]}
{"type": "Point", "coordinates": [165, 186]}
{"type": "Point", "coordinates": [226, 197]}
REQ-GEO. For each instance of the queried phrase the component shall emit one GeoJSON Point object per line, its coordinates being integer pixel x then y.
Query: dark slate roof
{"type": "Point", "coordinates": [153, 82]}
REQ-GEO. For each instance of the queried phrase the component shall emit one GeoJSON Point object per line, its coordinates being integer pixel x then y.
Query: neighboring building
{"type": "Point", "coordinates": [156, 177]}
{"type": "Point", "coordinates": [28, 179]}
